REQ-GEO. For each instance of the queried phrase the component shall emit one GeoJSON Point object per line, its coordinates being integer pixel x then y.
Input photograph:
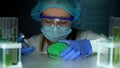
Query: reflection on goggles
{"type": "Point", "coordinates": [48, 20]}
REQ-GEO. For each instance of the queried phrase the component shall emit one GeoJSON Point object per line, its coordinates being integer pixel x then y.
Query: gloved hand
{"type": "Point", "coordinates": [26, 49]}
{"type": "Point", "coordinates": [76, 49]}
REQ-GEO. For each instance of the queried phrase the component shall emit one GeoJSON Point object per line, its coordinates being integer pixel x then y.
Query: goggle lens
{"type": "Point", "coordinates": [48, 20]}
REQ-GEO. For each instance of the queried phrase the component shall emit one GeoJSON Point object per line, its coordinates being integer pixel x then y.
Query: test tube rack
{"type": "Point", "coordinates": [109, 63]}
{"type": "Point", "coordinates": [10, 49]}
{"type": "Point", "coordinates": [7, 59]}
{"type": "Point", "coordinates": [112, 44]}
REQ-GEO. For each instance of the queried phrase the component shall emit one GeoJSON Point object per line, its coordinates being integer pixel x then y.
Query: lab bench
{"type": "Point", "coordinates": [43, 61]}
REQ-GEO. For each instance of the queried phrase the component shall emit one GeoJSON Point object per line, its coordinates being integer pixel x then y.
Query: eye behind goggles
{"type": "Point", "coordinates": [51, 20]}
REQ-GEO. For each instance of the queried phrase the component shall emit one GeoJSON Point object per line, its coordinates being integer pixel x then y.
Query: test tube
{"type": "Point", "coordinates": [7, 57]}
{"type": "Point", "coordinates": [1, 40]}
{"type": "Point", "coordinates": [1, 55]}
{"type": "Point", "coordinates": [117, 35]}
{"type": "Point", "coordinates": [114, 32]}
{"type": "Point", "coordinates": [3, 29]}
{"type": "Point", "coordinates": [0, 29]}
{"type": "Point", "coordinates": [116, 39]}
{"type": "Point", "coordinates": [14, 56]}
{"type": "Point", "coordinates": [14, 30]}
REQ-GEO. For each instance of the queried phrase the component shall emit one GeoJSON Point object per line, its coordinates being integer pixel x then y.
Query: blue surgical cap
{"type": "Point", "coordinates": [71, 6]}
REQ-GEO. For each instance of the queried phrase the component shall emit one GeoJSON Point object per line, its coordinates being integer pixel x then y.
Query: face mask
{"type": "Point", "coordinates": [55, 33]}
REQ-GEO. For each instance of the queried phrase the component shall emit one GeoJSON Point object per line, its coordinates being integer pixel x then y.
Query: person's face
{"type": "Point", "coordinates": [56, 13]}
{"type": "Point", "coordinates": [56, 24]}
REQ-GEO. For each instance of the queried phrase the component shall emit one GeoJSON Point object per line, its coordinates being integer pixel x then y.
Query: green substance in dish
{"type": "Point", "coordinates": [56, 49]}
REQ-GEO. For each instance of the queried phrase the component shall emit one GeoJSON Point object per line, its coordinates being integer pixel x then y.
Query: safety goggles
{"type": "Point", "coordinates": [57, 21]}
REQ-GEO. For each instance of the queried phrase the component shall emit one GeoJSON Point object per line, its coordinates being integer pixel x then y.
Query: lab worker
{"type": "Point", "coordinates": [58, 19]}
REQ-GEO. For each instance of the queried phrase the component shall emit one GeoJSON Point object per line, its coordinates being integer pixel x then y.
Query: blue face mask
{"type": "Point", "coordinates": [55, 33]}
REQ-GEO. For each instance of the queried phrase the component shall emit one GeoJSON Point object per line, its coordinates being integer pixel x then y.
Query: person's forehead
{"type": "Point", "coordinates": [58, 12]}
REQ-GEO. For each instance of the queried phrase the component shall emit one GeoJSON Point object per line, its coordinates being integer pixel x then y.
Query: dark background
{"type": "Point", "coordinates": [22, 8]}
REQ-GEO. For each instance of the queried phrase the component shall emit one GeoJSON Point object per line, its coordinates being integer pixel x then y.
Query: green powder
{"type": "Point", "coordinates": [56, 49]}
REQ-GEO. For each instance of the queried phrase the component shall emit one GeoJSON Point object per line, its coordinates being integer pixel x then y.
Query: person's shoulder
{"type": "Point", "coordinates": [85, 32]}
{"type": "Point", "coordinates": [34, 40]}
{"type": "Point", "coordinates": [81, 34]}
{"type": "Point", "coordinates": [89, 34]}
{"type": "Point", "coordinates": [36, 37]}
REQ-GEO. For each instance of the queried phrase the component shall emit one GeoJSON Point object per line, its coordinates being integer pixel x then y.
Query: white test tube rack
{"type": "Point", "coordinates": [109, 64]}
{"type": "Point", "coordinates": [5, 46]}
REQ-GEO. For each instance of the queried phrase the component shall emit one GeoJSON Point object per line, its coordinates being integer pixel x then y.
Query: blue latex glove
{"type": "Point", "coordinates": [76, 49]}
{"type": "Point", "coordinates": [26, 49]}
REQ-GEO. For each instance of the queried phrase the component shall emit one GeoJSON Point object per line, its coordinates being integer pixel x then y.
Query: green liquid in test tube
{"type": "Point", "coordinates": [116, 38]}
{"type": "Point", "coordinates": [117, 34]}
{"type": "Point", "coordinates": [7, 58]}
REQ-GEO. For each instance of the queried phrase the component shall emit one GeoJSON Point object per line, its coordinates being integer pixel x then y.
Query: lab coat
{"type": "Point", "coordinates": [93, 37]}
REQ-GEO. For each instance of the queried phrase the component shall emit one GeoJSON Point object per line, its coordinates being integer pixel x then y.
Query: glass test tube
{"type": "Point", "coordinates": [3, 29]}
{"type": "Point", "coordinates": [0, 29]}
{"type": "Point", "coordinates": [114, 32]}
{"type": "Point", "coordinates": [14, 56]}
{"type": "Point", "coordinates": [9, 29]}
{"type": "Point", "coordinates": [14, 31]}
{"type": "Point", "coordinates": [116, 39]}
{"type": "Point", "coordinates": [1, 53]}
{"type": "Point", "coordinates": [7, 57]}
